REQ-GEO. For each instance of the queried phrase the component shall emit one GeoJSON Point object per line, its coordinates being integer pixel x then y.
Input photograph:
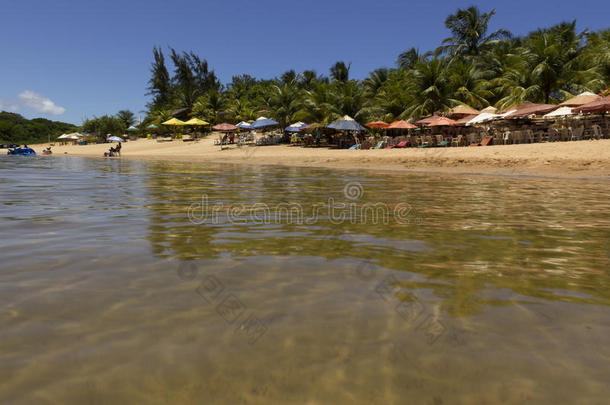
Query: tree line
{"type": "Point", "coordinates": [15, 129]}
{"type": "Point", "coordinates": [473, 66]}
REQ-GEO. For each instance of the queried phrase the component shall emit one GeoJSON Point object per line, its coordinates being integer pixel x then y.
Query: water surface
{"type": "Point", "coordinates": [471, 290]}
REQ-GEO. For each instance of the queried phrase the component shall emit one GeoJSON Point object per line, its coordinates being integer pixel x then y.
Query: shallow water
{"type": "Point", "coordinates": [151, 282]}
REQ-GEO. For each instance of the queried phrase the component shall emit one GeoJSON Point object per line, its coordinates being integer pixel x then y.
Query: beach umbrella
{"type": "Point", "coordinates": [560, 112]}
{"type": "Point", "coordinates": [196, 121]}
{"type": "Point", "coordinates": [527, 109]}
{"type": "Point", "coordinates": [401, 125]}
{"type": "Point", "coordinates": [346, 123]}
{"type": "Point", "coordinates": [463, 121]}
{"type": "Point", "coordinates": [312, 127]}
{"type": "Point", "coordinates": [483, 117]}
{"type": "Point", "coordinates": [296, 127]}
{"type": "Point", "coordinates": [173, 121]}
{"type": "Point", "coordinates": [427, 120]}
{"type": "Point", "coordinates": [600, 106]}
{"type": "Point", "coordinates": [377, 124]}
{"type": "Point", "coordinates": [115, 139]}
{"type": "Point", "coordinates": [74, 135]}
{"type": "Point", "coordinates": [263, 122]}
{"type": "Point", "coordinates": [463, 109]}
{"type": "Point", "coordinates": [442, 122]}
{"type": "Point", "coordinates": [581, 99]}
{"type": "Point", "coordinates": [244, 125]}
{"type": "Point", "coordinates": [152, 126]}
{"type": "Point", "coordinates": [224, 127]}
{"type": "Point", "coordinates": [132, 128]}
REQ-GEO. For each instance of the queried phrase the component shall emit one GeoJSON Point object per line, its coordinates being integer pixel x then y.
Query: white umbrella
{"type": "Point", "coordinates": [483, 117]}
{"type": "Point", "coordinates": [115, 139]}
{"type": "Point", "coordinates": [560, 112]}
{"type": "Point", "coordinates": [244, 125]}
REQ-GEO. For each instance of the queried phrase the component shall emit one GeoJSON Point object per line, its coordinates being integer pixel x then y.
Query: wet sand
{"type": "Point", "coordinates": [580, 159]}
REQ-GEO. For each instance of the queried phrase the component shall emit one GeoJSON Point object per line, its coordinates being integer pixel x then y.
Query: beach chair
{"type": "Point", "coordinates": [488, 140]}
{"type": "Point", "coordinates": [441, 142]}
{"type": "Point", "coordinates": [597, 132]}
{"type": "Point", "coordinates": [457, 141]}
{"type": "Point", "coordinates": [576, 133]}
{"type": "Point", "coordinates": [564, 135]}
{"type": "Point", "coordinates": [379, 145]}
{"type": "Point", "coordinates": [402, 144]}
{"type": "Point", "coordinates": [414, 141]}
{"type": "Point", "coordinates": [517, 137]}
{"type": "Point", "coordinates": [354, 147]}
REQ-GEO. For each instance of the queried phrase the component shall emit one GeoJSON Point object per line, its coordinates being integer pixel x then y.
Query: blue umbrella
{"type": "Point", "coordinates": [296, 127]}
{"type": "Point", "coordinates": [346, 123]}
{"type": "Point", "coordinates": [244, 125]}
{"type": "Point", "coordinates": [115, 139]}
{"type": "Point", "coordinates": [263, 122]}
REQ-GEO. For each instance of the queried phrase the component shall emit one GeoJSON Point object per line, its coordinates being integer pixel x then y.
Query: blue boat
{"type": "Point", "coordinates": [21, 151]}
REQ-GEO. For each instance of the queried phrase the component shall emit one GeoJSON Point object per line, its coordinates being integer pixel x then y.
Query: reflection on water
{"type": "Point", "coordinates": [489, 290]}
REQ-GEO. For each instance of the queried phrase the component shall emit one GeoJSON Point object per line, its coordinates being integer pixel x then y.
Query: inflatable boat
{"type": "Point", "coordinates": [21, 151]}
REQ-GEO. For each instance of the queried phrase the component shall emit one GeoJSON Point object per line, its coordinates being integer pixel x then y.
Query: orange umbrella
{"type": "Point", "coordinates": [402, 125]}
{"type": "Point", "coordinates": [442, 121]}
{"type": "Point", "coordinates": [377, 124]}
{"type": "Point", "coordinates": [427, 120]}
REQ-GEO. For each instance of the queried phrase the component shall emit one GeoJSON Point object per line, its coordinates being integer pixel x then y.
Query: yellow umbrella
{"type": "Point", "coordinates": [173, 121]}
{"type": "Point", "coordinates": [196, 121]}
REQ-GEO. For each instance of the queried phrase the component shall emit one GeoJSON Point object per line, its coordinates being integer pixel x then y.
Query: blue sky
{"type": "Point", "coordinates": [69, 60]}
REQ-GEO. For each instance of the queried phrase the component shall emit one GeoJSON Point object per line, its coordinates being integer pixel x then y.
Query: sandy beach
{"type": "Point", "coordinates": [579, 159]}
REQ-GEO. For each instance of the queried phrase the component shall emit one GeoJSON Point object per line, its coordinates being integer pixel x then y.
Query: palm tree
{"type": "Point", "coordinates": [469, 28]}
{"type": "Point", "coordinates": [410, 57]}
{"type": "Point", "coordinates": [320, 104]}
{"type": "Point", "coordinates": [339, 72]}
{"type": "Point", "coordinates": [430, 88]}
{"type": "Point", "coordinates": [375, 81]}
{"type": "Point", "coordinates": [285, 102]}
{"type": "Point", "coordinates": [211, 106]}
{"type": "Point", "coordinates": [546, 68]}
{"type": "Point", "coordinates": [126, 117]}
{"type": "Point", "coordinates": [469, 84]}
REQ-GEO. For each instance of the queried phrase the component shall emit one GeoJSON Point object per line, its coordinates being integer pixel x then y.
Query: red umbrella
{"type": "Point", "coordinates": [442, 122]}
{"type": "Point", "coordinates": [224, 127]}
{"type": "Point", "coordinates": [427, 120]}
{"type": "Point", "coordinates": [526, 109]}
{"type": "Point", "coordinates": [377, 124]}
{"type": "Point", "coordinates": [401, 125]}
{"type": "Point", "coordinates": [462, 121]}
{"type": "Point", "coordinates": [598, 106]}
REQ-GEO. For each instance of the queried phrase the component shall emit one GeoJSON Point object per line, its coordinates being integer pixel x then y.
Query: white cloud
{"type": "Point", "coordinates": [40, 103]}
{"type": "Point", "coordinates": [6, 105]}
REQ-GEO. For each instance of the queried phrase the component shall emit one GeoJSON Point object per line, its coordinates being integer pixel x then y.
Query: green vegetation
{"type": "Point", "coordinates": [473, 66]}
{"type": "Point", "coordinates": [19, 130]}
